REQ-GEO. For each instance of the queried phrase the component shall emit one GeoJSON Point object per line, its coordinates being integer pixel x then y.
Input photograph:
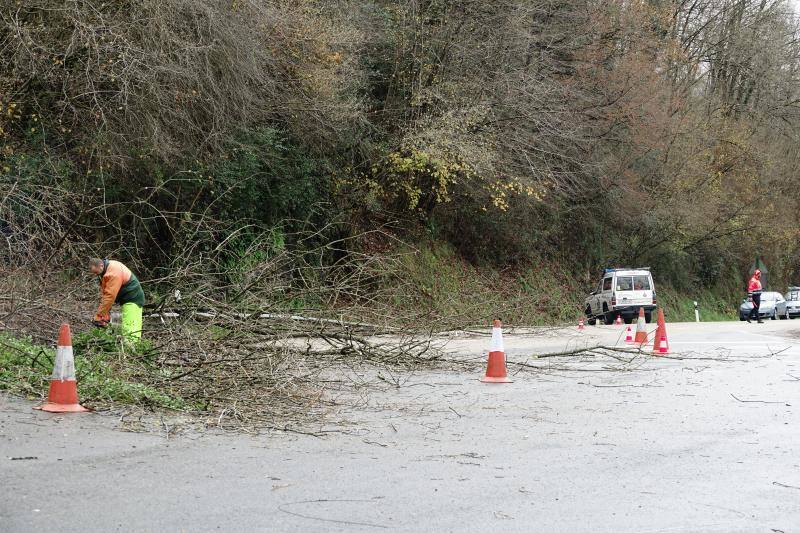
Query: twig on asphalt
{"type": "Point", "coordinates": [590, 350]}
{"type": "Point", "coordinates": [321, 519]}
{"type": "Point", "coordinates": [638, 386]}
{"type": "Point", "coordinates": [287, 429]}
{"type": "Point", "coordinates": [773, 353]}
{"type": "Point", "coordinates": [752, 401]}
{"type": "Point", "coordinates": [785, 486]}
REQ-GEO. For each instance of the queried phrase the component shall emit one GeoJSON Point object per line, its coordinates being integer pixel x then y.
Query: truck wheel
{"type": "Point", "coordinates": [608, 319]}
{"type": "Point", "coordinates": [648, 317]}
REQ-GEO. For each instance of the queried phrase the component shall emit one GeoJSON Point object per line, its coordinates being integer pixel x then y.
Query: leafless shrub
{"type": "Point", "coordinates": [172, 80]}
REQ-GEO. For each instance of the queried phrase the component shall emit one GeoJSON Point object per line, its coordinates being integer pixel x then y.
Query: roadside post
{"type": "Point", "coordinates": [696, 312]}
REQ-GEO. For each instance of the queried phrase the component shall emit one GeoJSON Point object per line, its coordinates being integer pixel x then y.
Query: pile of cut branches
{"type": "Point", "coordinates": [246, 326]}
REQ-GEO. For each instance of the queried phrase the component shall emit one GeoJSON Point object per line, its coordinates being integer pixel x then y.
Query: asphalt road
{"type": "Point", "coordinates": [706, 441]}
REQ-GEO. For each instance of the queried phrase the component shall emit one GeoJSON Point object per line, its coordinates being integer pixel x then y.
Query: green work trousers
{"type": "Point", "coordinates": [132, 321]}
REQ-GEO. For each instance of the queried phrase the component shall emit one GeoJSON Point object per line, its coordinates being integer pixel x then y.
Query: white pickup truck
{"type": "Point", "coordinates": [622, 292]}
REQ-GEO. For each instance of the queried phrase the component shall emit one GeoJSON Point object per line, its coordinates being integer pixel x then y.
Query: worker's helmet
{"type": "Point", "coordinates": [757, 273]}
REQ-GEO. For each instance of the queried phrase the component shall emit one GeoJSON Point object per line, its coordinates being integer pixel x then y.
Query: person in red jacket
{"type": "Point", "coordinates": [754, 295]}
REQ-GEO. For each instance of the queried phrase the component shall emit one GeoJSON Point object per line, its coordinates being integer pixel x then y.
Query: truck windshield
{"type": "Point", "coordinates": [633, 283]}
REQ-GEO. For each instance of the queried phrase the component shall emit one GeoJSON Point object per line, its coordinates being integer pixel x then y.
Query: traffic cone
{"type": "Point", "coordinates": [660, 343]}
{"type": "Point", "coordinates": [629, 337]}
{"type": "Point", "coordinates": [581, 327]}
{"type": "Point", "coordinates": [641, 329]}
{"type": "Point", "coordinates": [496, 368]}
{"type": "Point", "coordinates": [619, 320]}
{"type": "Point", "coordinates": [63, 396]}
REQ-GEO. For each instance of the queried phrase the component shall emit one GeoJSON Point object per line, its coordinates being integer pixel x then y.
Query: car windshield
{"type": "Point", "coordinates": [793, 296]}
{"type": "Point", "coordinates": [768, 296]}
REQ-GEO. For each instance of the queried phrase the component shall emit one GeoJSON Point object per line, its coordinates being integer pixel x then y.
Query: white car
{"type": "Point", "coordinates": [792, 303]}
{"type": "Point", "coordinates": [622, 292]}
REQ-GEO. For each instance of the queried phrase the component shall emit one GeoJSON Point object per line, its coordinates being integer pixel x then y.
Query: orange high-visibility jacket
{"type": "Point", "coordinates": [754, 287]}
{"type": "Point", "coordinates": [115, 276]}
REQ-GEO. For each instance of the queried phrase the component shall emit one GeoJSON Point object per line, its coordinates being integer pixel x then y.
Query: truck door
{"type": "Point", "coordinates": [605, 294]}
{"type": "Point", "coordinates": [596, 296]}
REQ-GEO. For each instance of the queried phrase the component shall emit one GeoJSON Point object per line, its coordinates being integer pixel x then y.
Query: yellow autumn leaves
{"type": "Point", "coordinates": [415, 180]}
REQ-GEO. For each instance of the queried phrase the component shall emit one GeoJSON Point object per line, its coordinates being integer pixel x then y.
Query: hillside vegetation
{"type": "Point", "coordinates": [527, 143]}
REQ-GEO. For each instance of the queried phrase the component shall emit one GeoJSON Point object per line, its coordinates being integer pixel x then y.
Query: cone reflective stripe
{"type": "Point", "coordinates": [496, 366]}
{"type": "Point", "coordinates": [661, 345]}
{"type": "Point", "coordinates": [619, 320]}
{"type": "Point", "coordinates": [497, 337]}
{"type": "Point", "coordinates": [64, 367]}
{"type": "Point", "coordinates": [63, 394]}
{"type": "Point", "coordinates": [641, 329]}
{"type": "Point", "coordinates": [629, 336]}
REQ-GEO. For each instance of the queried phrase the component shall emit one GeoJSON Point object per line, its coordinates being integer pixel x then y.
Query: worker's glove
{"type": "Point", "coordinates": [100, 323]}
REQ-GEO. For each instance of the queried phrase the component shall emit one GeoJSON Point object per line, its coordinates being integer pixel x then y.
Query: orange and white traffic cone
{"type": "Point", "coordinates": [641, 329]}
{"type": "Point", "coordinates": [581, 327]}
{"type": "Point", "coordinates": [663, 345]}
{"type": "Point", "coordinates": [619, 320]}
{"type": "Point", "coordinates": [629, 336]}
{"type": "Point", "coordinates": [496, 367]}
{"type": "Point", "coordinates": [660, 343]}
{"type": "Point", "coordinates": [63, 396]}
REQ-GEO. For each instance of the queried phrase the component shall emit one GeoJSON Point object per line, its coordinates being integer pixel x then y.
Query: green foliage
{"type": "Point", "coordinates": [519, 235]}
{"type": "Point", "coordinates": [25, 369]}
{"type": "Point", "coordinates": [436, 280]}
{"type": "Point", "coordinates": [246, 251]}
{"type": "Point", "coordinates": [108, 369]}
{"type": "Point", "coordinates": [265, 177]}
{"type": "Point", "coordinates": [714, 304]}
{"type": "Point", "coordinates": [29, 182]}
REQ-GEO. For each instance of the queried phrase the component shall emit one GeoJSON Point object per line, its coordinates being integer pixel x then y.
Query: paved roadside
{"type": "Point", "coordinates": [708, 442]}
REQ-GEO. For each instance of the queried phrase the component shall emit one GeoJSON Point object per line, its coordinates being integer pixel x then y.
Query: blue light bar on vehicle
{"type": "Point", "coordinates": [607, 270]}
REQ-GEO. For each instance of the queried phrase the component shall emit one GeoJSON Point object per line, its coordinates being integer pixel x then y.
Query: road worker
{"type": "Point", "coordinates": [754, 295]}
{"type": "Point", "coordinates": [118, 285]}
